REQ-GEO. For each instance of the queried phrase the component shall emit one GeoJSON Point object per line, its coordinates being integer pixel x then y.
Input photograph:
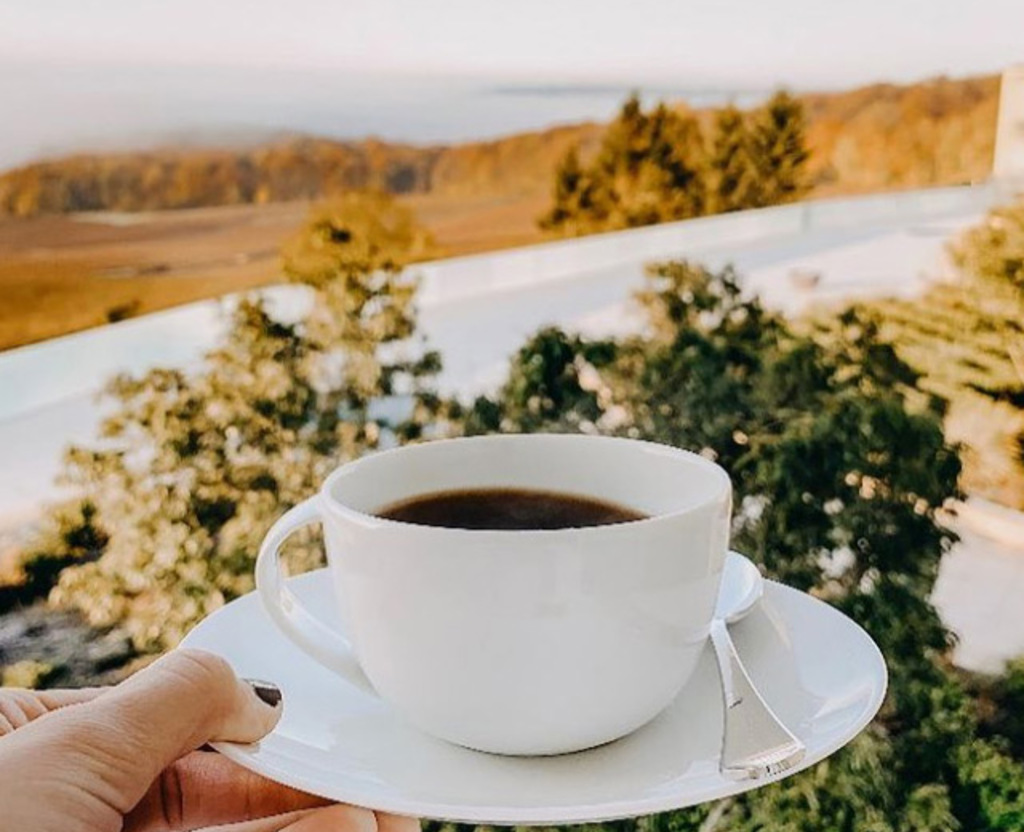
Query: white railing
{"type": "Point", "coordinates": [481, 274]}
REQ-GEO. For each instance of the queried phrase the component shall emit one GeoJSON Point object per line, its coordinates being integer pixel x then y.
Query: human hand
{"type": "Point", "coordinates": [126, 758]}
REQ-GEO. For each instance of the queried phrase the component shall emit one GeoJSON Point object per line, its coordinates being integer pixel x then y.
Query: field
{"type": "Point", "coordinates": [61, 274]}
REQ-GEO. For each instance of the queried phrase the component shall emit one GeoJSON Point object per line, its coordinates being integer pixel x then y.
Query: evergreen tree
{"type": "Point", "coordinates": [666, 181]}
{"type": "Point", "coordinates": [624, 147]}
{"type": "Point", "coordinates": [574, 210]}
{"type": "Point", "coordinates": [780, 150]}
{"type": "Point", "coordinates": [626, 142]}
{"type": "Point", "coordinates": [651, 167]}
{"type": "Point", "coordinates": [678, 151]}
{"type": "Point", "coordinates": [734, 178]}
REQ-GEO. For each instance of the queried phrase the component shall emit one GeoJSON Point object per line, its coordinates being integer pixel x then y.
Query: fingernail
{"type": "Point", "coordinates": [268, 692]}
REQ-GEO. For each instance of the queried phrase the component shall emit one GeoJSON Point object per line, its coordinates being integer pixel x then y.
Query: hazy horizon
{"type": "Point", "coordinates": [99, 74]}
{"type": "Point", "coordinates": [95, 107]}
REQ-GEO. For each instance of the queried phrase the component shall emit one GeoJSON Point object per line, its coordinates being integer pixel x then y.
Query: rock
{"type": "Point", "coordinates": [111, 651]}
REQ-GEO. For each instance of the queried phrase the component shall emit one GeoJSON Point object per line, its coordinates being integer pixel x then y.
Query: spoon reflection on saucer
{"type": "Point", "coordinates": [755, 743]}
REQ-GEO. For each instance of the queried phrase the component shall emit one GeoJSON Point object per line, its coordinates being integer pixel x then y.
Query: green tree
{"type": "Point", "coordinates": [840, 468]}
{"type": "Point", "coordinates": [547, 387]}
{"type": "Point", "coordinates": [193, 467]}
{"type": "Point", "coordinates": [733, 174]}
{"type": "Point", "coordinates": [1006, 718]}
{"type": "Point", "coordinates": [780, 150]}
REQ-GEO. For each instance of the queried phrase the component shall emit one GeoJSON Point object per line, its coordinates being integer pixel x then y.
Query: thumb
{"type": "Point", "coordinates": [123, 739]}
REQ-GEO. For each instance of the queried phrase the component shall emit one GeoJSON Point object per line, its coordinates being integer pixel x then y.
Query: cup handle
{"type": "Point", "coordinates": [321, 642]}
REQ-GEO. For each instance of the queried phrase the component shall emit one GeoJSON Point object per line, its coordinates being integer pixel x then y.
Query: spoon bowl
{"type": "Point", "coordinates": [742, 588]}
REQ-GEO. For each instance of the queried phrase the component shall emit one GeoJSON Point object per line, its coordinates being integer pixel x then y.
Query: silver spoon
{"type": "Point", "coordinates": [755, 743]}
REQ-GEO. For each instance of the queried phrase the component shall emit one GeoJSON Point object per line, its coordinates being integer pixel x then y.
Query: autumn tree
{"type": "Point", "coordinates": [352, 253]}
{"type": "Point", "coordinates": [651, 167]}
{"type": "Point", "coordinates": [990, 257]}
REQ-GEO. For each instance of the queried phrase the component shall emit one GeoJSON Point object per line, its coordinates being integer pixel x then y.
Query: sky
{"type": "Point", "coordinates": [799, 42]}
{"type": "Point", "coordinates": [121, 74]}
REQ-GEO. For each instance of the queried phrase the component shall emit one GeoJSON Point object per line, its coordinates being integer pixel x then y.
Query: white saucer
{"type": "Point", "coordinates": [820, 671]}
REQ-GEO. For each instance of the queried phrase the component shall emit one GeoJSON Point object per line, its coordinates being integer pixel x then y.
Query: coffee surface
{"type": "Point", "coordinates": [510, 509]}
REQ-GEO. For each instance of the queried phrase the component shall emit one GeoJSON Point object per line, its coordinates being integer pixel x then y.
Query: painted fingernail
{"type": "Point", "coordinates": [268, 692]}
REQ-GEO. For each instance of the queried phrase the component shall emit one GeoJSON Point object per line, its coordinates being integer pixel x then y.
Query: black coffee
{"type": "Point", "coordinates": [516, 509]}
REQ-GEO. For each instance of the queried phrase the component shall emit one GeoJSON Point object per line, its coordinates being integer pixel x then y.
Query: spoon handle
{"type": "Point", "coordinates": [755, 743]}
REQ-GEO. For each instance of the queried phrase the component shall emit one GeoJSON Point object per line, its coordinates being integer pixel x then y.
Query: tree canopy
{"type": "Point", "coordinates": [780, 151]}
{"type": "Point", "coordinates": [734, 179]}
{"type": "Point", "coordinates": [659, 166]}
{"type": "Point", "coordinates": [840, 470]}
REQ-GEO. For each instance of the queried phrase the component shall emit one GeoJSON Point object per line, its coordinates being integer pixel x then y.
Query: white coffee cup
{"type": "Point", "coordinates": [516, 642]}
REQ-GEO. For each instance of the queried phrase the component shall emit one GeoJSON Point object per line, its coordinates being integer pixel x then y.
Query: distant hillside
{"type": "Point", "coordinates": [300, 168]}
{"type": "Point", "coordinates": [938, 132]}
{"type": "Point", "coordinates": [879, 137]}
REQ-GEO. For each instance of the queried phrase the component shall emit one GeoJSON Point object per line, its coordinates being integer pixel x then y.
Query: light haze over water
{"type": "Point", "coordinates": [97, 74]}
{"type": "Point", "coordinates": [65, 108]}
{"type": "Point", "coordinates": [101, 74]}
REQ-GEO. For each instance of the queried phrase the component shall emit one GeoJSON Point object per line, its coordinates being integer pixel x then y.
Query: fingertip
{"type": "Point", "coordinates": [253, 707]}
{"type": "Point", "coordinates": [340, 818]}
{"type": "Point", "coordinates": [264, 708]}
{"type": "Point", "coordinates": [248, 709]}
{"type": "Point", "coordinates": [387, 822]}
{"type": "Point", "coordinates": [225, 707]}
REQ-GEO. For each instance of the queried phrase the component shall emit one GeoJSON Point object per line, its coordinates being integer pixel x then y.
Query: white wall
{"type": "Point", "coordinates": [463, 277]}
{"type": "Point", "coordinates": [1009, 150]}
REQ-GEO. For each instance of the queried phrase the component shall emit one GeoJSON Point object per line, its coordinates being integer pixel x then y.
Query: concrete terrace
{"type": "Point", "coordinates": [478, 309]}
